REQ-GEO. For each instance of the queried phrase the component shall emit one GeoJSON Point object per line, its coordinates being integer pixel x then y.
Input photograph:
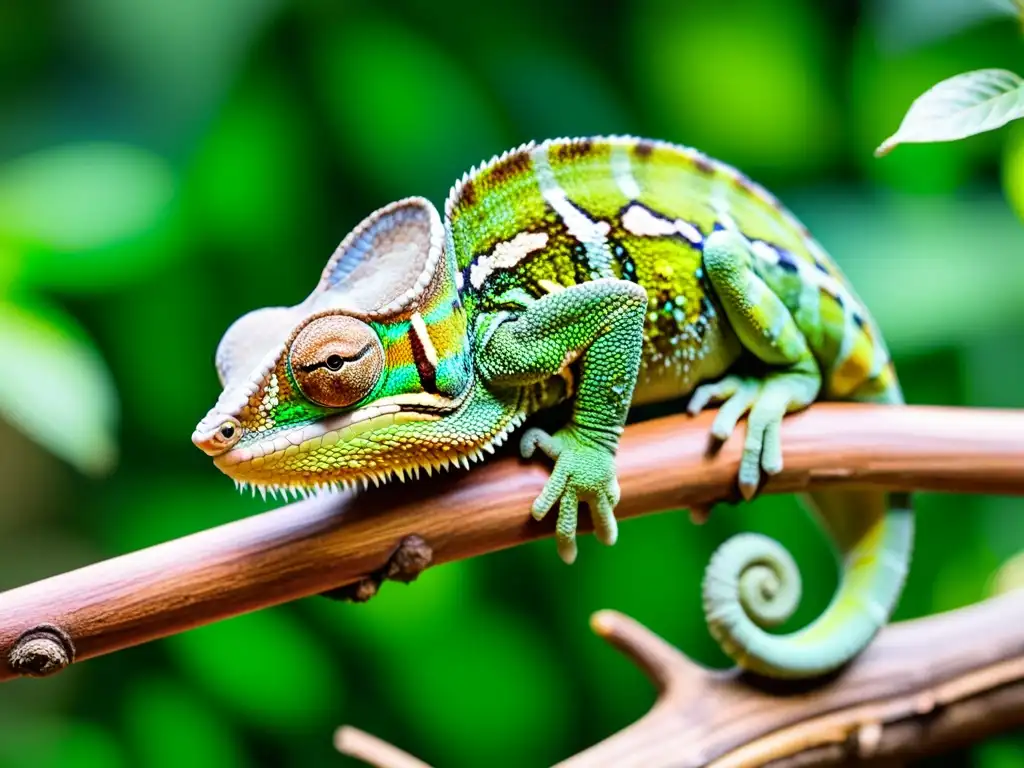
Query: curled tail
{"type": "Point", "coordinates": [752, 583]}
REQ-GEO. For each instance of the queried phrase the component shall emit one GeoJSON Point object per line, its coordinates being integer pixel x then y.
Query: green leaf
{"type": "Point", "coordinates": [961, 106]}
{"type": "Point", "coordinates": [392, 94]}
{"type": "Point", "coordinates": [769, 72]}
{"type": "Point", "coordinates": [69, 208]}
{"type": "Point", "coordinates": [906, 24]}
{"type": "Point", "coordinates": [55, 387]}
{"type": "Point", "coordinates": [1013, 168]}
{"type": "Point", "coordinates": [266, 667]}
{"type": "Point", "coordinates": [500, 679]}
{"type": "Point", "coordinates": [999, 752]}
{"type": "Point", "coordinates": [58, 743]}
{"type": "Point", "coordinates": [151, 705]}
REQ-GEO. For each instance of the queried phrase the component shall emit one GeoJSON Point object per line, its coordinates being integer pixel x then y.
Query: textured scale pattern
{"type": "Point", "coordinates": [640, 210]}
{"type": "Point", "coordinates": [606, 271]}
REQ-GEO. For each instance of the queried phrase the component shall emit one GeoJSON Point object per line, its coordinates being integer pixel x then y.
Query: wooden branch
{"type": "Point", "coordinates": [923, 687]}
{"type": "Point", "coordinates": [317, 545]}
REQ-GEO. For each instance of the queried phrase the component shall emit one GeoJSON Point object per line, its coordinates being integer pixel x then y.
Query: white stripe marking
{"type": "Point", "coordinates": [720, 204]}
{"type": "Point", "coordinates": [639, 221]}
{"type": "Point", "coordinates": [622, 170]}
{"type": "Point", "coordinates": [593, 234]}
{"type": "Point", "coordinates": [505, 255]}
{"type": "Point", "coordinates": [419, 327]}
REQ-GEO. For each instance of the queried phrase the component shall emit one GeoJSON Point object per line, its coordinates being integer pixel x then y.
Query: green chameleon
{"type": "Point", "coordinates": [606, 271]}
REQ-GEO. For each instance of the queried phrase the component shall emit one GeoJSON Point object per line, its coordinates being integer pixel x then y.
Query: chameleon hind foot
{"type": "Point", "coordinates": [767, 400]}
{"type": "Point", "coordinates": [584, 471]}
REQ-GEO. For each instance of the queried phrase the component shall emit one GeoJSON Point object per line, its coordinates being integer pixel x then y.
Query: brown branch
{"type": "Point", "coordinates": [321, 544]}
{"type": "Point", "coordinates": [923, 687]}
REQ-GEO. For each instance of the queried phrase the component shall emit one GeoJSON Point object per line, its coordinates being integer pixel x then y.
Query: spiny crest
{"type": "Point", "coordinates": [303, 488]}
{"type": "Point", "coordinates": [568, 147]}
{"type": "Point", "coordinates": [460, 188]}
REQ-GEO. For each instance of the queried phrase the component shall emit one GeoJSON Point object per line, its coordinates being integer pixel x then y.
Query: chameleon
{"type": "Point", "coordinates": [601, 273]}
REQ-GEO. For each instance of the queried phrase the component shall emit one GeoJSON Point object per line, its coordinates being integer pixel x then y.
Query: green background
{"type": "Point", "coordinates": [165, 167]}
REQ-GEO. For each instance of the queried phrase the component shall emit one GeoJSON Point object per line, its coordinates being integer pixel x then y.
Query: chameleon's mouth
{"type": "Point", "coordinates": [307, 456]}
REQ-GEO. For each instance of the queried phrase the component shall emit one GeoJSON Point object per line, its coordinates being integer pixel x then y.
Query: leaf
{"type": "Point", "coordinates": [389, 91]}
{"type": "Point", "coordinates": [150, 704]}
{"type": "Point", "coordinates": [902, 25]}
{"type": "Point", "coordinates": [961, 106]}
{"type": "Point", "coordinates": [83, 215]}
{"type": "Point", "coordinates": [52, 742]}
{"type": "Point", "coordinates": [266, 667]}
{"type": "Point", "coordinates": [774, 79]}
{"type": "Point", "coordinates": [509, 682]}
{"type": "Point", "coordinates": [56, 388]}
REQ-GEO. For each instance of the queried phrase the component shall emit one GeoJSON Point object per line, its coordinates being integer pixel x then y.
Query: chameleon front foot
{"type": "Point", "coordinates": [768, 401]}
{"type": "Point", "coordinates": [584, 471]}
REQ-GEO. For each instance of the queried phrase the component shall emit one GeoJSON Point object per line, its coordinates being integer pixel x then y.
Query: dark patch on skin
{"type": "Point", "coordinates": [573, 150]}
{"type": "Point", "coordinates": [859, 321]}
{"type": "Point", "coordinates": [514, 165]}
{"type": "Point", "coordinates": [467, 195]}
{"type": "Point", "coordinates": [643, 149]}
{"type": "Point", "coordinates": [787, 261]}
{"type": "Point", "coordinates": [624, 260]}
{"type": "Point", "coordinates": [580, 262]}
{"type": "Point", "coordinates": [718, 227]}
{"type": "Point", "coordinates": [425, 369]}
{"type": "Point", "coordinates": [742, 182]}
{"type": "Point", "coordinates": [821, 267]}
{"type": "Point", "coordinates": [703, 165]}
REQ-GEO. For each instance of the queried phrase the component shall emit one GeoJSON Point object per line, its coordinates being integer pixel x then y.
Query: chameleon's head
{"type": "Point", "coordinates": [370, 376]}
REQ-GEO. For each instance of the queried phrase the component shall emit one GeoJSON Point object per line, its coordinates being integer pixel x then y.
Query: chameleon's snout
{"type": "Point", "coordinates": [218, 439]}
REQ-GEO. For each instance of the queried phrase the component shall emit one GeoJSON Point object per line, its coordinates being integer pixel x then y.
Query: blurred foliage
{"type": "Point", "coordinates": [165, 167]}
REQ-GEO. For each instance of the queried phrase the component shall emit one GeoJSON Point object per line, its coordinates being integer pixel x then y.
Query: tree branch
{"type": "Point", "coordinates": [318, 545]}
{"type": "Point", "coordinates": [923, 687]}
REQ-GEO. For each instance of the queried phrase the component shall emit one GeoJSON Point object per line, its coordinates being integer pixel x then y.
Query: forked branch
{"type": "Point", "coordinates": [923, 687]}
{"type": "Point", "coordinates": [321, 544]}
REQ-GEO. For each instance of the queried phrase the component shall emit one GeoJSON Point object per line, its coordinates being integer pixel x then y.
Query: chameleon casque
{"type": "Point", "coordinates": [607, 271]}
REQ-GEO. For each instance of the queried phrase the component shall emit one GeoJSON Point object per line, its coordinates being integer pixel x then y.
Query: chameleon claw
{"type": "Point", "coordinates": [584, 472]}
{"type": "Point", "coordinates": [766, 401]}
{"type": "Point", "coordinates": [567, 550]}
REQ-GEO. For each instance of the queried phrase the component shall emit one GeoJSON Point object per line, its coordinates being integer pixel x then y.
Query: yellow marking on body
{"type": "Point", "coordinates": [855, 369]}
{"type": "Point", "coordinates": [551, 286]}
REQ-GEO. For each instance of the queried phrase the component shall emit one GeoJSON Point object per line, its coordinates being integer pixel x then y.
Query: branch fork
{"type": "Point", "coordinates": [930, 682]}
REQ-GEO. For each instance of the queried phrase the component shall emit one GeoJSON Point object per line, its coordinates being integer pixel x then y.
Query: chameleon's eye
{"type": "Point", "coordinates": [336, 360]}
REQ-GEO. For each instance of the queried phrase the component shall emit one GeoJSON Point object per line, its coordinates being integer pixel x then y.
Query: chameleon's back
{"type": "Point", "coordinates": [571, 210]}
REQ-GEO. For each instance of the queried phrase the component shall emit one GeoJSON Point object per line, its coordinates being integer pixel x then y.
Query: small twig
{"type": "Point", "coordinates": [923, 687]}
{"type": "Point", "coordinates": [412, 557]}
{"type": "Point", "coordinates": [362, 746]}
{"type": "Point", "coordinates": [318, 545]}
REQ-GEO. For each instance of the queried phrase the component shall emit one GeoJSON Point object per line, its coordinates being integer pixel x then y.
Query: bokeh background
{"type": "Point", "coordinates": [165, 167]}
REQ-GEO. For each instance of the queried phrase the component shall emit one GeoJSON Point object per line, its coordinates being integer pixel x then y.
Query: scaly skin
{"type": "Point", "coordinates": [608, 271]}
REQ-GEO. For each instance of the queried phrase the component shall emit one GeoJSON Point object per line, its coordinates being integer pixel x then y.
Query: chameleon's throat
{"type": "Point", "coordinates": [391, 438]}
